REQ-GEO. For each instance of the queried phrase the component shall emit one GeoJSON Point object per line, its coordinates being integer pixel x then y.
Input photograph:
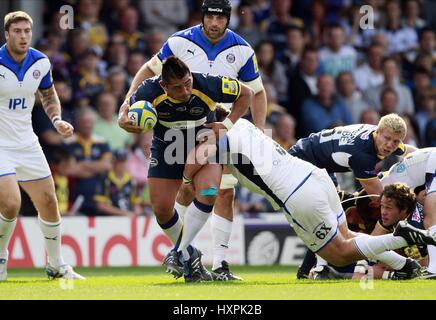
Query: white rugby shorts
{"type": "Point", "coordinates": [27, 164]}
{"type": "Point", "coordinates": [314, 210]}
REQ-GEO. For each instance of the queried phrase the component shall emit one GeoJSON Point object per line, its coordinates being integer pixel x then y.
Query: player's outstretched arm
{"type": "Point", "coordinates": [258, 109]}
{"type": "Point", "coordinates": [52, 107]}
{"type": "Point", "coordinates": [372, 187]}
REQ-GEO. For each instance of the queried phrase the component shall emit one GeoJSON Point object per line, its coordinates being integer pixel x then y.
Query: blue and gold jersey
{"type": "Point", "coordinates": [342, 149]}
{"type": "Point", "coordinates": [119, 192]}
{"type": "Point", "coordinates": [172, 114]}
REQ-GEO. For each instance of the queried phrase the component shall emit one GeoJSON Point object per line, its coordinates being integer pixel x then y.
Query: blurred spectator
{"type": "Point", "coordinates": [261, 12]}
{"type": "Point", "coordinates": [65, 94]}
{"type": "Point", "coordinates": [295, 47]}
{"type": "Point", "coordinates": [53, 51]}
{"type": "Point", "coordinates": [155, 41]}
{"type": "Point", "coordinates": [412, 15]}
{"type": "Point", "coordinates": [370, 73]}
{"type": "Point", "coordinates": [284, 131]}
{"type": "Point", "coordinates": [138, 161]}
{"type": "Point", "coordinates": [88, 18]}
{"type": "Point", "coordinates": [273, 109]}
{"type": "Point", "coordinates": [128, 29]}
{"type": "Point", "coordinates": [370, 117]}
{"type": "Point", "coordinates": [116, 83]}
{"type": "Point", "coordinates": [302, 84]}
{"type": "Point", "coordinates": [350, 96]}
{"type": "Point", "coordinates": [92, 160]}
{"type": "Point", "coordinates": [337, 56]}
{"type": "Point", "coordinates": [426, 103]}
{"type": "Point", "coordinates": [60, 167]}
{"type": "Point", "coordinates": [117, 194]}
{"type": "Point", "coordinates": [388, 101]}
{"type": "Point", "coordinates": [401, 39]}
{"type": "Point", "coordinates": [324, 110]}
{"type": "Point", "coordinates": [317, 20]}
{"type": "Point", "coordinates": [272, 69]}
{"type": "Point", "coordinates": [391, 73]}
{"type": "Point", "coordinates": [430, 133]}
{"type": "Point", "coordinates": [247, 28]}
{"type": "Point", "coordinates": [110, 13]}
{"type": "Point", "coordinates": [106, 125]}
{"type": "Point", "coordinates": [77, 44]}
{"type": "Point", "coordinates": [279, 22]}
{"type": "Point", "coordinates": [88, 81]}
{"type": "Point", "coordinates": [247, 201]}
{"type": "Point", "coordinates": [411, 133]}
{"type": "Point", "coordinates": [427, 45]}
{"type": "Point", "coordinates": [49, 138]}
{"type": "Point", "coordinates": [421, 82]}
{"type": "Point", "coordinates": [117, 51]}
{"type": "Point", "coordinates": [134, 62]}
{"type": "Point", "coordinates": [166, 16]}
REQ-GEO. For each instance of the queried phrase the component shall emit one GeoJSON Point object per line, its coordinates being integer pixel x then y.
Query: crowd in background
{"type": "Point", "coordinates": [320, 69]}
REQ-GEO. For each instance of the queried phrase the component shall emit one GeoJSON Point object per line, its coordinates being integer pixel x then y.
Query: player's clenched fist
{"type": "Point", "coordinates": [63, 128]}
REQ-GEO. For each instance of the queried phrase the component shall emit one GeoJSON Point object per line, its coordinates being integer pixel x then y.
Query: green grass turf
{"type": "Point", "coordinates": [262, 283]}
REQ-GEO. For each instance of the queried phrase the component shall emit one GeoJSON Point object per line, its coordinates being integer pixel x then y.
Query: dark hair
{"type": "Point", "coordinates": [388, 90]}
{"type": "Point", "coordinates": [308, 49]}
{"type": "Point", "coordinates": [173, 68]}
{"type": "Point", "coordinates": [404, 197]}
{"type": "Point", "coordinates": [424, 30]}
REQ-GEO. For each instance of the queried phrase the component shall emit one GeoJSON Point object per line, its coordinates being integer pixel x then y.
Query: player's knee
{"type": "Point", "coordinates": [10, 207]}
{"type": "Point", "coordinates": [162, 212]}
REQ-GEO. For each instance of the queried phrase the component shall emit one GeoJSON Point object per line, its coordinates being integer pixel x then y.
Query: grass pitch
{"type": "Point", "coordinates": [152, 283]}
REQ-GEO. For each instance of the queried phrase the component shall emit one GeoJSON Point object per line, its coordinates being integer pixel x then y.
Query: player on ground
{"type": "Point", "coordinates": [360, 148]}
{"type": "Point", "coordinates": [185, 103]}
{"type": "Point", "coordinates": [415, 170]}
{"type": "Point", "coordinates": [398, 202]}
{"type": "Point", "coordinates": [211, 48]}
{"type": "Point", "coordinates": [264, 167]}
{"type": "Point", "coordinates": [23, 71]}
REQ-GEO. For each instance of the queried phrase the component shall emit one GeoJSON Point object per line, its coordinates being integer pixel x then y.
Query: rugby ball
{"type": "Point", "coordinates": [143, 115]}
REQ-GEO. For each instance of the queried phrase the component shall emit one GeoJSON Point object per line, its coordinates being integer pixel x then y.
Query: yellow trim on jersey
{"type": "Point", "coordinates": [102, 198]}
{"type": "Point", "coordinates": [119, 182]}
{"type": "Point", "coordinates": [364, 179]}
{"type": "Point", "coordinates": [206, 99]}
{"type": "Point", "coordinates": [159, 99]}
{"type": "Point", "coordinates": [383, 227]}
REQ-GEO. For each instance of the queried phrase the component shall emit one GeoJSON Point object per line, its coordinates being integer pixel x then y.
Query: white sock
{"type": "Point", "coordinates": [181, 210]}
{"type": "Point", "coordinates": [370, 246]}
{"type": "Point", "coordinates": [431, 254]}
{"type": "Point", "coordinates": [173, 228]}
{"type": "Point", "coordinates": [320, 261]}
{"type": "Point", "coordinates": [7, 227]}
{"type": "Point", "coordinates": [195, 218]}
{"type": "Point", "coordinates": [52, 238]}
{"type": "Point", "coordinates": [392, 259]}
{"type": "Point", "coordinates": [221, 231]}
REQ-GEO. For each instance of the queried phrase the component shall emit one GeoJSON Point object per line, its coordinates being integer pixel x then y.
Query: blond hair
{"type": "Point", "coordinates": [16, 16]}
{"type": "Point", "coordinates": [395, 123]}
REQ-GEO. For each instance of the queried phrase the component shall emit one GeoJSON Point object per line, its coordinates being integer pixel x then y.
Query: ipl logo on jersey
{"type": "Point", "coordinates": [230, 58]}
{"type": "Point", "coordinates": [36, 74]}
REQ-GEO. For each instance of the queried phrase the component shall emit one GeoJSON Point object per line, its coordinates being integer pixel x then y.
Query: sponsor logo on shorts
{"type": "Point", "coordinates": [321, 230]}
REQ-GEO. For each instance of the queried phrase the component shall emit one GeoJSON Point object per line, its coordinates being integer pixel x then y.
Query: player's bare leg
{"type": "Point", "coordinates": [430, 223]}
{"type": "Point", "coordinates": [42, 193]}
{"type": "Point", "coordinates": [10, 202]}
{"type": "Point", "coordinates": [341, 251]}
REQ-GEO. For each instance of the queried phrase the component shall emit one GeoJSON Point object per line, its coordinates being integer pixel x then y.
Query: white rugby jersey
{"type": "Point", "coordinates": [231, 57]}
{"type": "Point", "coordinates": [18, 85]}
{"type": "Point", "coordinates": [262, 165]}
{"type": "Point", "coordinates": [412, 169]}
